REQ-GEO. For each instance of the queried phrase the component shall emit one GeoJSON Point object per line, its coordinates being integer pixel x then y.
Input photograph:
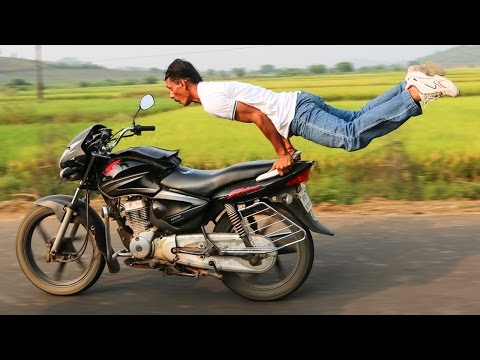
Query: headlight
{"type": "Point", "coordinates": [70, 153]}
{"type": "Point", "coordinates": [70, 174]}
{"type": "Point", "coordinates": [65, 152]}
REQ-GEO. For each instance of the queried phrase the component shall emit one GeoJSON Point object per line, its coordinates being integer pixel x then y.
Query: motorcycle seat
{"type": "Point", "coordinates": [205, 182]}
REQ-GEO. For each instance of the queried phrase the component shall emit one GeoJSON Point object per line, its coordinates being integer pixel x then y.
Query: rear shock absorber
{"type": "Point", "coordinates": [237, 224]}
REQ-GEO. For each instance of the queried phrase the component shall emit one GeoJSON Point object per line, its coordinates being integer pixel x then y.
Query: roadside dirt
{"type": "Point", "coordinates": [378, 207]}
{"type": "Point", "coordinates": [373, 207]}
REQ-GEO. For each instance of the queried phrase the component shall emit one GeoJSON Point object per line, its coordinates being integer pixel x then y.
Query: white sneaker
{"type": "Point", "coordinates": [429, 68]}
{"type": "Point", "coordinates": [432, 87]}
{"type": "Point", "coordinates": [414, 70]}
{"type": "Point", "coordinates": [414, 73]}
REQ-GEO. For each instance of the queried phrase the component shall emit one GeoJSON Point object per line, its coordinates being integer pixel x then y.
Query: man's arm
{"type": "Point", "coordinates": [282, 146]}
{"type": "Point", "coordinates": [288, 145]}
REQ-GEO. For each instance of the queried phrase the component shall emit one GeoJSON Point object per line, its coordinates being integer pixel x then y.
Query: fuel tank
{"type": "Point", "coordinates": [137, 171]}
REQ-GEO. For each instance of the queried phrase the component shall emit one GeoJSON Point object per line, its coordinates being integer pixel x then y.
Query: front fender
{"type": "Point", "coordinates": [58, 203]}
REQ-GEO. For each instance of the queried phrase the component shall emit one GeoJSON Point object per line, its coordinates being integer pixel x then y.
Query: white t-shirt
{"type": "Point", "coordinates": [220, 99]}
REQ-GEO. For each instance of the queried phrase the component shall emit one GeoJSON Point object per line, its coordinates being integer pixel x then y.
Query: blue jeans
{"type": "Point", "coordinates": [352, 130]}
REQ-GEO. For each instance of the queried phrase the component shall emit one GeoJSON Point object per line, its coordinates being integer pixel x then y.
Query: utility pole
{"type": "Point", "coordinates": [38, 51]}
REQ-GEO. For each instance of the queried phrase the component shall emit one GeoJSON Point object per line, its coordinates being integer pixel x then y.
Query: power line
{"type": "Point", "coordinates": [147, 56]}
{"type": "Point", "coordinates": [186, 53]}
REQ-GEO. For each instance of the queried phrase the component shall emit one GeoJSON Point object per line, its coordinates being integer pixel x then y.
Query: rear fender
{"type": "Point", "coordinates": [308, 218]}
{"type": "Point", "coordinates": [289, 198]}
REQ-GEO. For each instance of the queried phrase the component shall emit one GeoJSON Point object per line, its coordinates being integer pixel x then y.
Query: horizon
{"type": "Point", "coordinates": [226, 57]}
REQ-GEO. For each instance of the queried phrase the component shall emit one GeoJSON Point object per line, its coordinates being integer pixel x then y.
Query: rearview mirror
{"type": "Point", "coordinates": [147, 102]}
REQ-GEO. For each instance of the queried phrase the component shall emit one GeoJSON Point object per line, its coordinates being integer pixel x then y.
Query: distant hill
{"type": "Point", "coordinates": [59, 72]}
{"type": "Point", "coordinates": [457, 57]}
{"type": "Point", "coordinates": [53, 72]}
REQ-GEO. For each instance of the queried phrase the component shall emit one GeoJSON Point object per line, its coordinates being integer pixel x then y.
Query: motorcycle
{"type": "Point", "coordinates": [242, 224]}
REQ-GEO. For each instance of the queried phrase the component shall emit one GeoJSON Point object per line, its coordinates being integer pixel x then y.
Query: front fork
{"type": "Point", "coordinates": [69, 213]}
{"type": "Point", "coordinates": [51, 250]}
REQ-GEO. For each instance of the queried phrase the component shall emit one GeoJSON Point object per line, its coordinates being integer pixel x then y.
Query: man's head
{"type": "Point", "coordinates": [179, 78]}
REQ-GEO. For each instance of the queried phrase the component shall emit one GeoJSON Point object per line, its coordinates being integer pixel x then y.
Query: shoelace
{"type": "Point", "coordinates": [431, 97]}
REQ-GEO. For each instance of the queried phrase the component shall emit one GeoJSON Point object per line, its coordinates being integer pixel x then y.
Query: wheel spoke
{"type": "Point", "coordinates": [43, 233]}
{"type": "Point", "coordinates": [291, 249]}
{"type": "Point", "coordinates": [59, 271]}
{"type": "Point", "coordinates": [280, 268]}
{"type": "Point", "coordinates": [80, 264]}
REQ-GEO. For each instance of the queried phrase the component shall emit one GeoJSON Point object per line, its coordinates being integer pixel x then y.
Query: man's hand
{"type": "Point", "coordinates": [283, 164]}
{"type": "Point", "coordinates": [292, 152]}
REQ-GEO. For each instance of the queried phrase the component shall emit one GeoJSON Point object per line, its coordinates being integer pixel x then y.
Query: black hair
{"type": "Point", "coordinates": [182, 69]}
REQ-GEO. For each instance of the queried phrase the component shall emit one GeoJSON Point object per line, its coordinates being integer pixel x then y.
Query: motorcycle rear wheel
{"type": "Point", "coordinates": [290, 271]}
{"type": "Point", "coordinates": [79, 261]}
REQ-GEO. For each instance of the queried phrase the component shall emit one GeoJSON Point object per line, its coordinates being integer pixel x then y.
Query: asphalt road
{"type": "Point", "coordinates": [375, 265]}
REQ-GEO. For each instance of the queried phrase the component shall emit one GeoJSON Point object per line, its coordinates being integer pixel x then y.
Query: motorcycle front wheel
{"type": "Point", "coordinates": [78, 263]}
{"type": "Point", "coordinates": [291, 269]}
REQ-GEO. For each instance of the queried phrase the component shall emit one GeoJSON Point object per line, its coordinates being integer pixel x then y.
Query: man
{"type": "Point", "coordinates": [297, 113]}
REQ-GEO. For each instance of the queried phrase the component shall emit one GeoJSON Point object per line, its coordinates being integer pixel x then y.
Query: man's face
{"type": "Point", "coordinates": [178, 91]}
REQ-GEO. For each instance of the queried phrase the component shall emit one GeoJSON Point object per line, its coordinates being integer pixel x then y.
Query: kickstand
{"type": "Point", "coordinates": [209, 246]}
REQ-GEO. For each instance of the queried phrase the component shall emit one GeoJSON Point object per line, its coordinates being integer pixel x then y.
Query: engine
{"type": "Point", "coordinates": [136, 212]}
{"type": "Point", "coordinates": [149, 246]}
{"type": "Point", "coordinates": [141, 245]}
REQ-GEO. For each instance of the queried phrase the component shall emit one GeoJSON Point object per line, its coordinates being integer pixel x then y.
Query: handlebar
{"type": "Point", "coordinates": [147, 128]}
{"type": "Point", "coordinates": [136, 130]}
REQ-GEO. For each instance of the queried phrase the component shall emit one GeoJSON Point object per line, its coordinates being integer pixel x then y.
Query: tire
{"type": "Point", "coordinates": [83, 262]}
{"type": "Point", "coordinates": [290, 271]}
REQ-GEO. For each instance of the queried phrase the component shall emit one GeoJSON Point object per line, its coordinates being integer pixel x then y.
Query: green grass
{"type": "Point", "coordinates": [73, 110]}
{"type": "Point", "coordinates": [433, 156]}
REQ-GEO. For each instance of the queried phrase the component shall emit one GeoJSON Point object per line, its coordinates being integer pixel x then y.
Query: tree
{"type": "Point", "coordinates": [211, 73]}
{"type": "Point", "coordinates": [291, 72]}
{"type": "Point", "coordinates": [18, 84]}
{"type": "Point", "coordinates": [150, 80]}
{"type": "Point", "coordinates": [239, 72]}
{"type": "Point", "coordinates": [344, 66]}
{"type": "Point", "coordinates": [317, 69]}
{"type": "Point", "coordinates": [267, 69]}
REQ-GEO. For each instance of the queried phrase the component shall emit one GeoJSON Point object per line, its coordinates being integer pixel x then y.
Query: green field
{"type": "Point", "coordinates": [434, 156]}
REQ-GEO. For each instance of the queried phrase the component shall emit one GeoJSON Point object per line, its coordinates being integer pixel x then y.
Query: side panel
{"type": "Point", "coordinates": [130, 177]}
{"type": "Point", "coordinates": [178, 212]}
